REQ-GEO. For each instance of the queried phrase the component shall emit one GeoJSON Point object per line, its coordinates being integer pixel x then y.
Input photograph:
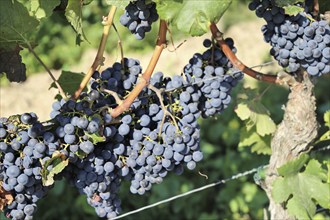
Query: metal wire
{"type": "Point", "coordinates": [223, 181]}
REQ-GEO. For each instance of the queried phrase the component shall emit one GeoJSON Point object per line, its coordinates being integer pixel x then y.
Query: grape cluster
{"type": "Point", "coordinates": [138, 17]}
{"type": "Point", "coordinates": [25, 146]}
{"type": "Point", "coordinates": [157, 135]}
{"type": "Point", "coordinates": [297, 41]}
{"type": "Point", "coordinates": [212, 77]}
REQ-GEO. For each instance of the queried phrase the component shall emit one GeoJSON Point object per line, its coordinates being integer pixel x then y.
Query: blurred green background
{"type": "Point", "coordinates": [239, 199]}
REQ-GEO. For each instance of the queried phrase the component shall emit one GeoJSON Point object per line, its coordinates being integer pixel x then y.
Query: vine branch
{"type": "Point", "coordinates": [144, 80]}
{"type": "Point", "coordinates": [107, 22]}
{"type": "Point", "coordinates": [316, 7]}
{"type": "Point", "coordinates": [236, 62]}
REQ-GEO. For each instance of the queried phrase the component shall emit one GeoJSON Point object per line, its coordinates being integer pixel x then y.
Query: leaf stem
{"type": "Point", "coordinates": [235, 61]}
{"type": "Point", "coordinates": [60, 89]}
{"type": "Point", "coordinates": [107, 22]}
{"type": "Point", "coordinates": [144, 80]}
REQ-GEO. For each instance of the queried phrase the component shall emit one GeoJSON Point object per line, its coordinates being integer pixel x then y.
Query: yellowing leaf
{"type": "Point", "coordinates": [243, 111]}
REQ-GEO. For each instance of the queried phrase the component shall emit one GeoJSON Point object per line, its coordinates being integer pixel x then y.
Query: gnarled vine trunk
{"type": "Point", "coordinates": [293, 135]}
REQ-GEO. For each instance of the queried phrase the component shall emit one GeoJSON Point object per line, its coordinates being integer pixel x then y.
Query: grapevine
{"type": "Point", "coordinates": [137, 126]}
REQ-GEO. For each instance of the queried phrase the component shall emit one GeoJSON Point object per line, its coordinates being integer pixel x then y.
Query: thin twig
{"type": "Point", "coordinates": [120, 44]}
{"type": "Point", "coordinates": [235, 61]}
{"type": "Point", "coordinates": [60, 89]}
{"type": "Point", "coordinates": [107, 22]}
{"type": "Point", "coordinates": [147, 74]}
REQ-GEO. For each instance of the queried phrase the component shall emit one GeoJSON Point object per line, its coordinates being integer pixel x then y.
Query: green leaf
{"type": "Point", "coordinates": [302, 190]}
{"type": "Point", "coordinates": [73, 13]}
{"type": "Point", "coordinates": [11, 64]}
{"type": "Point", "coordinates": [258, 144]}
{"type": "Point", "coordinates": [118, 3]}
{"type": "Point", "coordinates": [293, 166]}
{"type": "Point", "coordinates": [69, 81]}
{"type": "Point", "coordinates": [325, 136]}
{"type": "Point", "coordinates": [243, 111]}
{"type": "Point", "coordinates": [282, 3]}
{"type": "Point", "coordinates": [168, 10]}
{"type": "Point", "coordinates": [95, 138]}
{"type": "Point", "coordinates": [16, 32]}
{"type": "Point", "coordinates": [293, 10]}
{"type": "Point", "coordinates": [327, 119]}
{"type": "Point", "coordinates": [257, 115]}
{"type": "Point", "coordinates": [192, 17]}
{"type": "Point", "coordinates": [40, 8]}
{"type": "Point", "coordinates": [58, 163]}
{"type": "Point", "coordinates": [18, 29]}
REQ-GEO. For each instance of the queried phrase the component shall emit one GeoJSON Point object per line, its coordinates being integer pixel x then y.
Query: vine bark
{"type": "Point", "coordinates": [293, 136]}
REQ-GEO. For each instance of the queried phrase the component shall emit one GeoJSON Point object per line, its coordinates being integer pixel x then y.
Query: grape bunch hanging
{"type": "Point", "coordinates": [96, 153]}
{"type": "Point", "coordinates": [297, 41]}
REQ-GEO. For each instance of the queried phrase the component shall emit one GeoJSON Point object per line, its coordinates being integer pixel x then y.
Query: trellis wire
{"type": "Point", "coordinates": [223, 181]}
{"type": "Point", "coordinates": [322, 149]}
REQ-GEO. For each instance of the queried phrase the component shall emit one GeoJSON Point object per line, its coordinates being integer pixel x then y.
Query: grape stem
{"type": "Point", "coordinates": [115, 95]}
{"type": "Point", "coordinates": [144, 80]}
{"type": "Point", "coordinates": [120, 45]}
{"type": "Point", "coordinates": [107, 23]}
{"type": "Point", "coordinates": [166, 112]}
{"type": "Point", "coordinates": [218, 36]}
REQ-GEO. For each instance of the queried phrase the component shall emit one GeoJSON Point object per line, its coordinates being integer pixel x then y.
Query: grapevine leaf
{"type": "Point", "coordinates": [87, 2]}
{"type": "Point", "coordinates": [16, 32]}
{"type": "Point", "coordinates": [69, 81]}
{"type": "Point", "coordinates": [256, 114]}
{"type": "Point", "coordinates": [73, 13]}
{"type": "Point", "coordinates": [293, 166]}
{"type": "Point", "coordinates": [282, 3]}
{"type": "Point", "coordinates": [243, 111]}
{"type": "Point", "coordinates": [58, 162]}
{"type": "Point", "coordinates": [302, 190]}
{"type": "Point", "coordinates": [260, 145]}
{"type": "Point", "coordinates": [265, 124]}
{"type": "Point", "coordinates": [192, 17]}
{"type": "Point", "coordinates": [118, 3]}
{"type": "Point", "coordinates": [325, 136]}
{"type": "Point", "coordinates": [95, 138]}
{"type": "Point", "coordinates": [11, 64]}
{"type": "Point", "coordinates": [16, 29]}
{"type": "Point", "coordinates": [293, 10]}
{"type": "Point", "coordinates": [327, 119]}
{"type": "Point", "coordinates": [167, 10]}
{"type": "Point", "coordinates": [40, 8]}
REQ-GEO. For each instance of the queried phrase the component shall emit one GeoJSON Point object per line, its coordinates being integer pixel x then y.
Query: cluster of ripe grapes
{"type": "Point", "coordinates": [157, 135]}
{"type": "Point", "coordinates": [297, 41]}
{"type": "Point", "coordinates": [138, 17]}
